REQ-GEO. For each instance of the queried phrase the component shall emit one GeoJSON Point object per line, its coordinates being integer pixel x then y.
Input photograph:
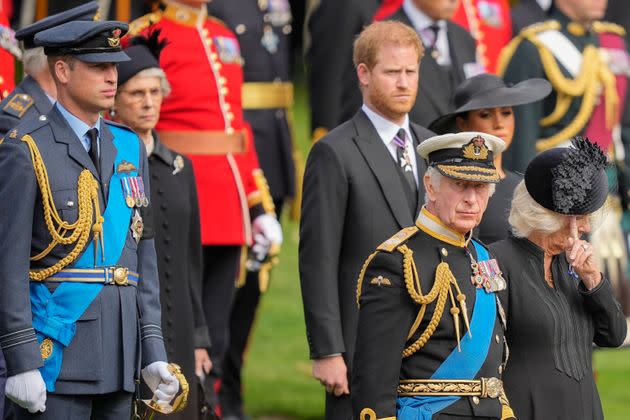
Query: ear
{"type": "Point", "coordinates": [428, 187]}
{"type": "Point", "coordinates": [62, 71]}
{"type": "Point", "coordinates": [363, 74]}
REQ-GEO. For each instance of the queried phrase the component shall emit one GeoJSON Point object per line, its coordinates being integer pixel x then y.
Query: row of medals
{"type": "Point", "coordinates": [134, 192]}
{"type": "Point", "coordinates": [487, 274]}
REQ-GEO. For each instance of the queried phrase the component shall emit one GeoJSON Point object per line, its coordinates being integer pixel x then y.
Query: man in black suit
{"type": "Point", "coordinates": [328, 55]}
{"type": "Point", "coordinates": [449, 59]}
{"type": "Point", "coordinates": [361, 185]}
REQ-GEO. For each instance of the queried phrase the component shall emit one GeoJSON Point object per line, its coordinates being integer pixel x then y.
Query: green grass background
{"type": "Point", "coordinates": [278, 381]}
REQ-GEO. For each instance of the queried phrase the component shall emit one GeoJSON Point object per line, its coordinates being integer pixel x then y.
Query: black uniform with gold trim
{"type": "Point", "coordinates": [430, 338]}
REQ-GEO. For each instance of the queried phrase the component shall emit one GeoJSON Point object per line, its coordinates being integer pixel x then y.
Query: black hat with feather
{"type": "Point", "coordinates": [569, 180]}
{"type": "Point", "coordinates": [144, 52]}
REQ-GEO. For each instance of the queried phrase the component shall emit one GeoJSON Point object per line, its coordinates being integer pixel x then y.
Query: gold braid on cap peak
{"type": "Point", "coordinates": [62, 232]}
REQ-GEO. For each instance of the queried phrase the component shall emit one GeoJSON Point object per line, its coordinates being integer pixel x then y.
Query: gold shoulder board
{"type": "Point", "coordinates": [398, 239]}
{"type": "Point", "coordinates": [613, 28]}
{"type": "Point", "coordinates": [144, 22]}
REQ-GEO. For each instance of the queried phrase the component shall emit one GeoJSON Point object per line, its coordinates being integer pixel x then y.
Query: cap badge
{"type": "Point", "coordinates": [475, 149]}
{"type": "Point", "coordinates": [114, 41]}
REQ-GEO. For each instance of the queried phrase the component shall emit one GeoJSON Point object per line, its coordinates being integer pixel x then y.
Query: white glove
{"type": "Point", "coordinates": [162, 382]}
{"type": "Point", "coordinates": [28, 390]}
{"type": "Point", "coordinates": [268, 226]}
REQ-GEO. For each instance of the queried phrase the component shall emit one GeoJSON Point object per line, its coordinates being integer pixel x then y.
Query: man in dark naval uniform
{"type": "Point", "coordinates": [362, 184]}
{"type": "Point", "coordinates": [35, 95]}
{"type": "Point", "coordinates": [79, 299]}
{"type": "Point", "coordinates": [588, 65]}
{"type": "Point", "coordinates": [430, 336]}
{"type": "Point", "coordinates": [449, 59]}
{"type": "Point", "coordinates": [263, 30]}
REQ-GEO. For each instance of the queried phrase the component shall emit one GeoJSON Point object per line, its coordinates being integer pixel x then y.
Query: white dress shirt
{"type": "Point", "coordinates": [387, 130]}
{"type": "Point", "coordinates": [421, 23]}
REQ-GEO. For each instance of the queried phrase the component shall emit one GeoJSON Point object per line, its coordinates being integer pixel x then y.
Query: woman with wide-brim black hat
{"type": "Point", "coordinates": [557, 300]}
{"type": "Point", "coordinates": [484, 103]}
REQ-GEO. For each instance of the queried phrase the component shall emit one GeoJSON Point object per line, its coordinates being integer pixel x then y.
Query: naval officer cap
{"type": "Point", "coordinates": [92, 42]}
{"type": "Point", "coordinates": [87, 12]}
{"type": "Point", "coordinates": [467, 156]}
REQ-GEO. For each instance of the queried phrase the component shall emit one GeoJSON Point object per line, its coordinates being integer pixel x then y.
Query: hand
{"type": "Point", "coordinates": [161, 381]}
{"type": "Point", "coordinates": [28, 390]}
{"type": "Point", "coordinates": [332, 373]}
{"type": "Point", "coordinates": [580, 256]}
{"type": "Point", "coordinates": [203, 364]}
{"type": "Point", "coordinates": [268, 226]}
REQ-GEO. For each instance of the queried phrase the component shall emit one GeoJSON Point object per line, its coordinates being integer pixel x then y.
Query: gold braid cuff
{"type": "Point", "coordinates": [263, 188]}
{"type": "Point", "coordinates": [62, 232]}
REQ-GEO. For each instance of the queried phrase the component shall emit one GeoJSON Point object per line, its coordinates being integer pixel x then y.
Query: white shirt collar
{"type": "Point", "coordinates": [386, 129]}
{"type": "Point", "coordinates": [419, 19]}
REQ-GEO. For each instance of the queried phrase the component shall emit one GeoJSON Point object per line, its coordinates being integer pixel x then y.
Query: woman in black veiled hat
{"type": "Point", "coordinates": [484, 103]}
{"type": "Point", "coordinates": [558, 303]}
{"type": "Point", "coordinates": [142, 85]}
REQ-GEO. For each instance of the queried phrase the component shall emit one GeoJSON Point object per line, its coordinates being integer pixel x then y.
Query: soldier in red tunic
{"type": "Point", "coordinates": [203, 118]}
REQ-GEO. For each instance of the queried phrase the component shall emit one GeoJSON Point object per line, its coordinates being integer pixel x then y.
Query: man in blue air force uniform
{"type": "Point", "coordinates": [79, 296]}
{"type": "Point", "coordinates": [430, 337]}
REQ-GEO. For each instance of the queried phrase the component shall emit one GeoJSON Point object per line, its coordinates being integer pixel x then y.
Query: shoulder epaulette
{"type": "Point", "coordinates": [613, 28]}
{"type": "Point", "coordinates": [143, 22]}
{"type": "Point", "coordinates": [16, 104]}
{"type": "Point", "coordinates": [217, 21]}
{"type": "Point", "coordinates": [540, 27]}
{"type": "Point", "coordinates": [529, 33]}
{"type": "Point", "coordinates": [398, 239]}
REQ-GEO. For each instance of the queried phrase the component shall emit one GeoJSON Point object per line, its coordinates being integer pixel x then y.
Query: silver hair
{"type": "Point", "coordinates": [527, 216]}
{"type": "Point", "coordinates": [435, 179]}
{"type": "Point", "coordinates": [159, 73]}
{"type": "Point", "coordinates": [34, 60]}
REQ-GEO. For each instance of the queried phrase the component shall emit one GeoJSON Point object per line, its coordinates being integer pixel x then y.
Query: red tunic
{"type": "Point", "coordinates": [204, 67]}
{"type": "Point", "coordinates": [7, 66]}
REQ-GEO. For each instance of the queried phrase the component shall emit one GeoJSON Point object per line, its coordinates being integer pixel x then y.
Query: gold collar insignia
{"type": "Point", "coordinates": [434, 227]}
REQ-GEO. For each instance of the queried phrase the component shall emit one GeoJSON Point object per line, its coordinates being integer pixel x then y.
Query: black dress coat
{"type": "Point", "coordinates": [354, 198]}
{"type": "Point", "coordinates": [30, 96]}
{"type": "Point", "coordinates": [437, 83]}
{"type": "Point", "coordinates": [494, 225]}
{"type": "Point", "coordinates": [178, 247]}
{"type": "Point", "coordinates": [551, 332]}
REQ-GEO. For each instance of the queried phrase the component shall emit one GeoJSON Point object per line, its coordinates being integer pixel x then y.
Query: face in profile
{"type": "Point", "coordinates": [496, 121]}
{"type": "Point", "coordinates": [458, 204]}
{"type": "Point", "coordinates": [438, 9]}
{"type": "Point", "coordinates": [391, 86]}
{"type": "Point", "coordinates": [138, 103]}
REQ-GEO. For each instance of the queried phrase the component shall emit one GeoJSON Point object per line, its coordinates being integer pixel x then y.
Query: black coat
{"type": "Point", "coordinates": [272, 136]}
{"type": "Point", "coordinates": [331, 28]}
{"type": "Point", "coordinates": [437, 85]}
{"type": "Point", "coordinates": [27, 94]}
{"type": "Point", "coordinates": [178, 247]}
{"type": "Point", "coordinates": [494, 225]}
{"type": "Point", "coordinates": [386, 317]}
{"type": "Point", "coordinates": [353, 200]}
{"type": "Point", "coordinates": [550, 334]}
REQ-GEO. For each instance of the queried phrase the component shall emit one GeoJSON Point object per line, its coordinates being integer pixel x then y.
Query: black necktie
{"type": "Point", "coordinates": [404, 160]}
{"type": "Point", "coordinates": [93, 135]}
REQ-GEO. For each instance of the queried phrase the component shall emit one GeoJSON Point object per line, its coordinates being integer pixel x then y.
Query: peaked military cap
{"type": "Point", "coordinates": [92, 42]}
{"type": "Point", "coordinates": [468, 155]}
{"type": "Point", "coordinates": [87, 12]}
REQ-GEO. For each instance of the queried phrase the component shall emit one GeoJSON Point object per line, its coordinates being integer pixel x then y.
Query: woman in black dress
{"type": "Point", "coordinates": [557, 301]}
{"type": "Point", "coordinates": [141, 87]}
{"type": "Point", "coordinates": [484, 103]}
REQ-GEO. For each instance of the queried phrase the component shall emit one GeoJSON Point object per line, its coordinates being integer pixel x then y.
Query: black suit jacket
{"type": "Point", "coordinates": [353, 200]}
{"type": "Point", "coordinates": [331, 28]}
{"type": "Point", "coordinates": [39, 104]}
{"type": "Point", "coordinates": [436, 85]}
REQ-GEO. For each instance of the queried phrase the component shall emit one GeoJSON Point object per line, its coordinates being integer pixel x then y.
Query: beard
{"type": "Point", "coordinates": [390, 106]}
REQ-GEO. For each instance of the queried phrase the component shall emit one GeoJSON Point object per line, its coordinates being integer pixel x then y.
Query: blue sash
{"type": "Point", "coordinates": [458, 365]}
{"type": "Point", "coordinates": [55, 314]}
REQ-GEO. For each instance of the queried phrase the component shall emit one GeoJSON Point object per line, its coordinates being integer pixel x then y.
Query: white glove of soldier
{"type": "Point", "coordinates": [28, 390]}
{"type": "Point", "coordinates": [268, 226]}
{"type": "Point", "coordinates": [162, 382]}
